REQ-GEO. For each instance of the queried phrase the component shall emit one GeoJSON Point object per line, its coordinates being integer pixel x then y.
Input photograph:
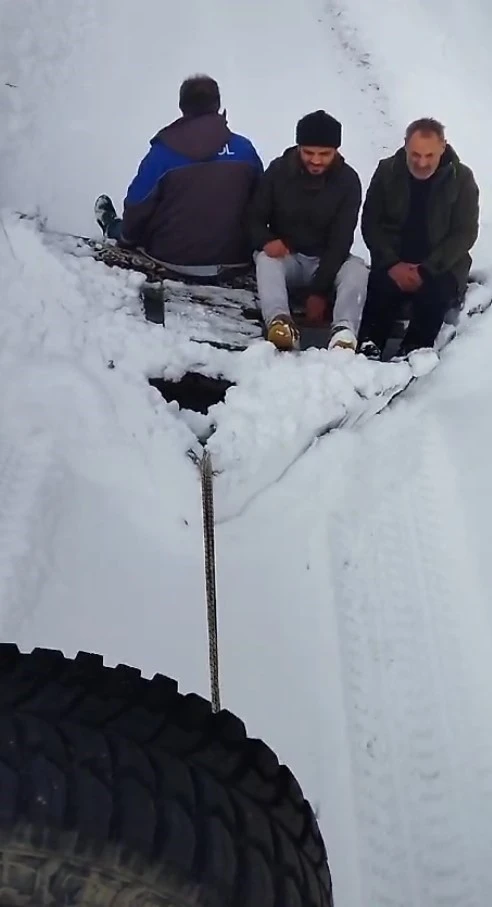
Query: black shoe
{"type": "Point", "coordinates": [105, 212]}
{"type": "Point", "coordinates": [369, 350]}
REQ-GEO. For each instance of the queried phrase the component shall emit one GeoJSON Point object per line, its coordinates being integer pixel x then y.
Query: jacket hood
{"type": "Point", "coordinates": [199, 138]}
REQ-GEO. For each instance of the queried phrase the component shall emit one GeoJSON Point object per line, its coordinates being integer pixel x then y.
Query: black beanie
{"type": "Point", "coordinates": [319, 129]}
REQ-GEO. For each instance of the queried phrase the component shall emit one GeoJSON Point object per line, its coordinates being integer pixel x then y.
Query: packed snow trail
{"type": "Point", "coordinates": [355, 633]}
{"type": "Point", "coordinates": [376, 547]}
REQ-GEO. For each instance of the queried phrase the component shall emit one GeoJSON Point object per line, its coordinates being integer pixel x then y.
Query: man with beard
{"type": "Point", "coordinates": [419, 221]}
{"type": "Point", "coordinates": [302, 220]}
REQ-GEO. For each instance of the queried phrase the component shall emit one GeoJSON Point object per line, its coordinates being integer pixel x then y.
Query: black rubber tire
{"type": "Point", "coordinates": [116, 791]}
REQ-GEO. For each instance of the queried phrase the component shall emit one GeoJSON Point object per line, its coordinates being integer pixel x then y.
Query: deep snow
{"type": "Point", "coordinates": [353, 571]}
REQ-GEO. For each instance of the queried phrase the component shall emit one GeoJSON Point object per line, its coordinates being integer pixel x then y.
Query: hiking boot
{"type": "Point", "coordinates": [342, 338]}
{"type": "Point", "coordinates": [370, 350]}
{"type": "Point", "coordinates": [105, 212]}
{"type": "Point", "coordinates": [284, 334]}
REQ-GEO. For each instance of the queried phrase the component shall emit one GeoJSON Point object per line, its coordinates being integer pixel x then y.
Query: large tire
{"type": "Point", "coordinates": [117, 791]}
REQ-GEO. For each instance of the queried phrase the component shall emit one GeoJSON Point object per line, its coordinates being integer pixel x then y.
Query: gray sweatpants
{"type": "Point", "coordinates": [275, 276]}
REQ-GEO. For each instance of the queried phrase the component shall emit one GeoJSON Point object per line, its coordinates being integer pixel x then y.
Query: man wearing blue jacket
{"type": "Point", "coordinates": [186, 205]}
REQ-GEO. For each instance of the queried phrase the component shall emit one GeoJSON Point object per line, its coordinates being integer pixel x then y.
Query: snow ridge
{"type": "Point", "coordinates": [24, 469]}
{"type": "Point", "coordinates": [398, 593]}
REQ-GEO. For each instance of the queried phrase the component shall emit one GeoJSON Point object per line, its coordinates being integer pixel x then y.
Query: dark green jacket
{"type": "Point", "coordinates": [314, 215]}
{"type": "Point", "coordinates": [452, 215]}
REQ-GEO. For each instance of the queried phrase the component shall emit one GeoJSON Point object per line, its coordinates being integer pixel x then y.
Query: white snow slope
{"type": "Point", "coordinates": [354, 580]}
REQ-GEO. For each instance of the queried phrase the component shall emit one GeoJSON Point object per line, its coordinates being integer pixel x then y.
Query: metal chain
{"type": "Point", "coordinates": [210, 575]}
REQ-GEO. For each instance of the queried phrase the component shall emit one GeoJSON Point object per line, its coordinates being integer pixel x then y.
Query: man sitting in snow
{"type": "Point", "coordinates": [419, 222]}
{"type": "Point", "coordinates": [302, 222]}
{"type": "Point", "coordinates": [185, 207]}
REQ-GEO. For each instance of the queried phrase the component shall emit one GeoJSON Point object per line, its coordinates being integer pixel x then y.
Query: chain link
{"type": "Point", "coordinates": [210, 575]}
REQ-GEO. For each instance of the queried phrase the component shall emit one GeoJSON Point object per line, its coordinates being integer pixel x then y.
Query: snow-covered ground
{"type": "Point", "coordinates": [353, 570]}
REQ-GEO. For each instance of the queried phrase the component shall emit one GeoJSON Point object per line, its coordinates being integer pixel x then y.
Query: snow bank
{"type": "Point", "coordinates": [281, 404]}
{"type": "Point", "coordinates": [100, 507]}
{"type": "Point", "coordinates": [356, 603]}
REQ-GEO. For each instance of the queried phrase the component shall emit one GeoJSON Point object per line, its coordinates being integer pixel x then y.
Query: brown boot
{"type": "Point", "coordinates": [283, 333]}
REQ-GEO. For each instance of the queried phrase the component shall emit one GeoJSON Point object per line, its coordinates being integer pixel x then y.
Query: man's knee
{"type": "Point", "coordinates": [354, 273]}
{"type": "Point", "coordinates": [268, 271]}
{"type": "Point", "coordinates": [354, 265]}
{"type": "Point", "coordinates": [265, 263]}
{"type": "Point", "coordinates": [356, 261]}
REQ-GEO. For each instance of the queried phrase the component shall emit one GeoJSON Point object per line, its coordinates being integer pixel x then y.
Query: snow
{"type": "Point", "coordinates": [352, 535]}
{"type": "Point", "coordinates": [376, 574]}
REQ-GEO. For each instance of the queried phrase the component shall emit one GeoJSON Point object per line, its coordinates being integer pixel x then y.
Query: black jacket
{"type": "Point", "coordinates": [314, 215]}
{"type": "Point", "coordinates": [451, 216]}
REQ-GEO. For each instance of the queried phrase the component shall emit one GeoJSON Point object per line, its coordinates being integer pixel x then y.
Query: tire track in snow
{"type": "Point", "coordinates": [26, 467]}
{"type": "Point", "coordinates": [409, 680]}
{"type": "Point", "coordinates": [374, 108]}
{"type": "Point", "coordinates": [462, 647]}
{"type": "Point", "coordinates": [53, 414]}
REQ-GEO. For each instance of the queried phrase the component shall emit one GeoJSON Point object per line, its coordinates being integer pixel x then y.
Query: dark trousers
{"type": "Point", "coordinates": [429, 305]}
{"type": "Point", "coordinates": [113, 230]}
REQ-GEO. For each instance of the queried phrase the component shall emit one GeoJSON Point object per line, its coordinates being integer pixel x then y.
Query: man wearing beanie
{"type": "Point", "coordinates": [302, 220]}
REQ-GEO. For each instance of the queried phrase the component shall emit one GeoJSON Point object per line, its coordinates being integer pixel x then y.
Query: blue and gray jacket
{"type": "Point", "coordinates": [186, 204]}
